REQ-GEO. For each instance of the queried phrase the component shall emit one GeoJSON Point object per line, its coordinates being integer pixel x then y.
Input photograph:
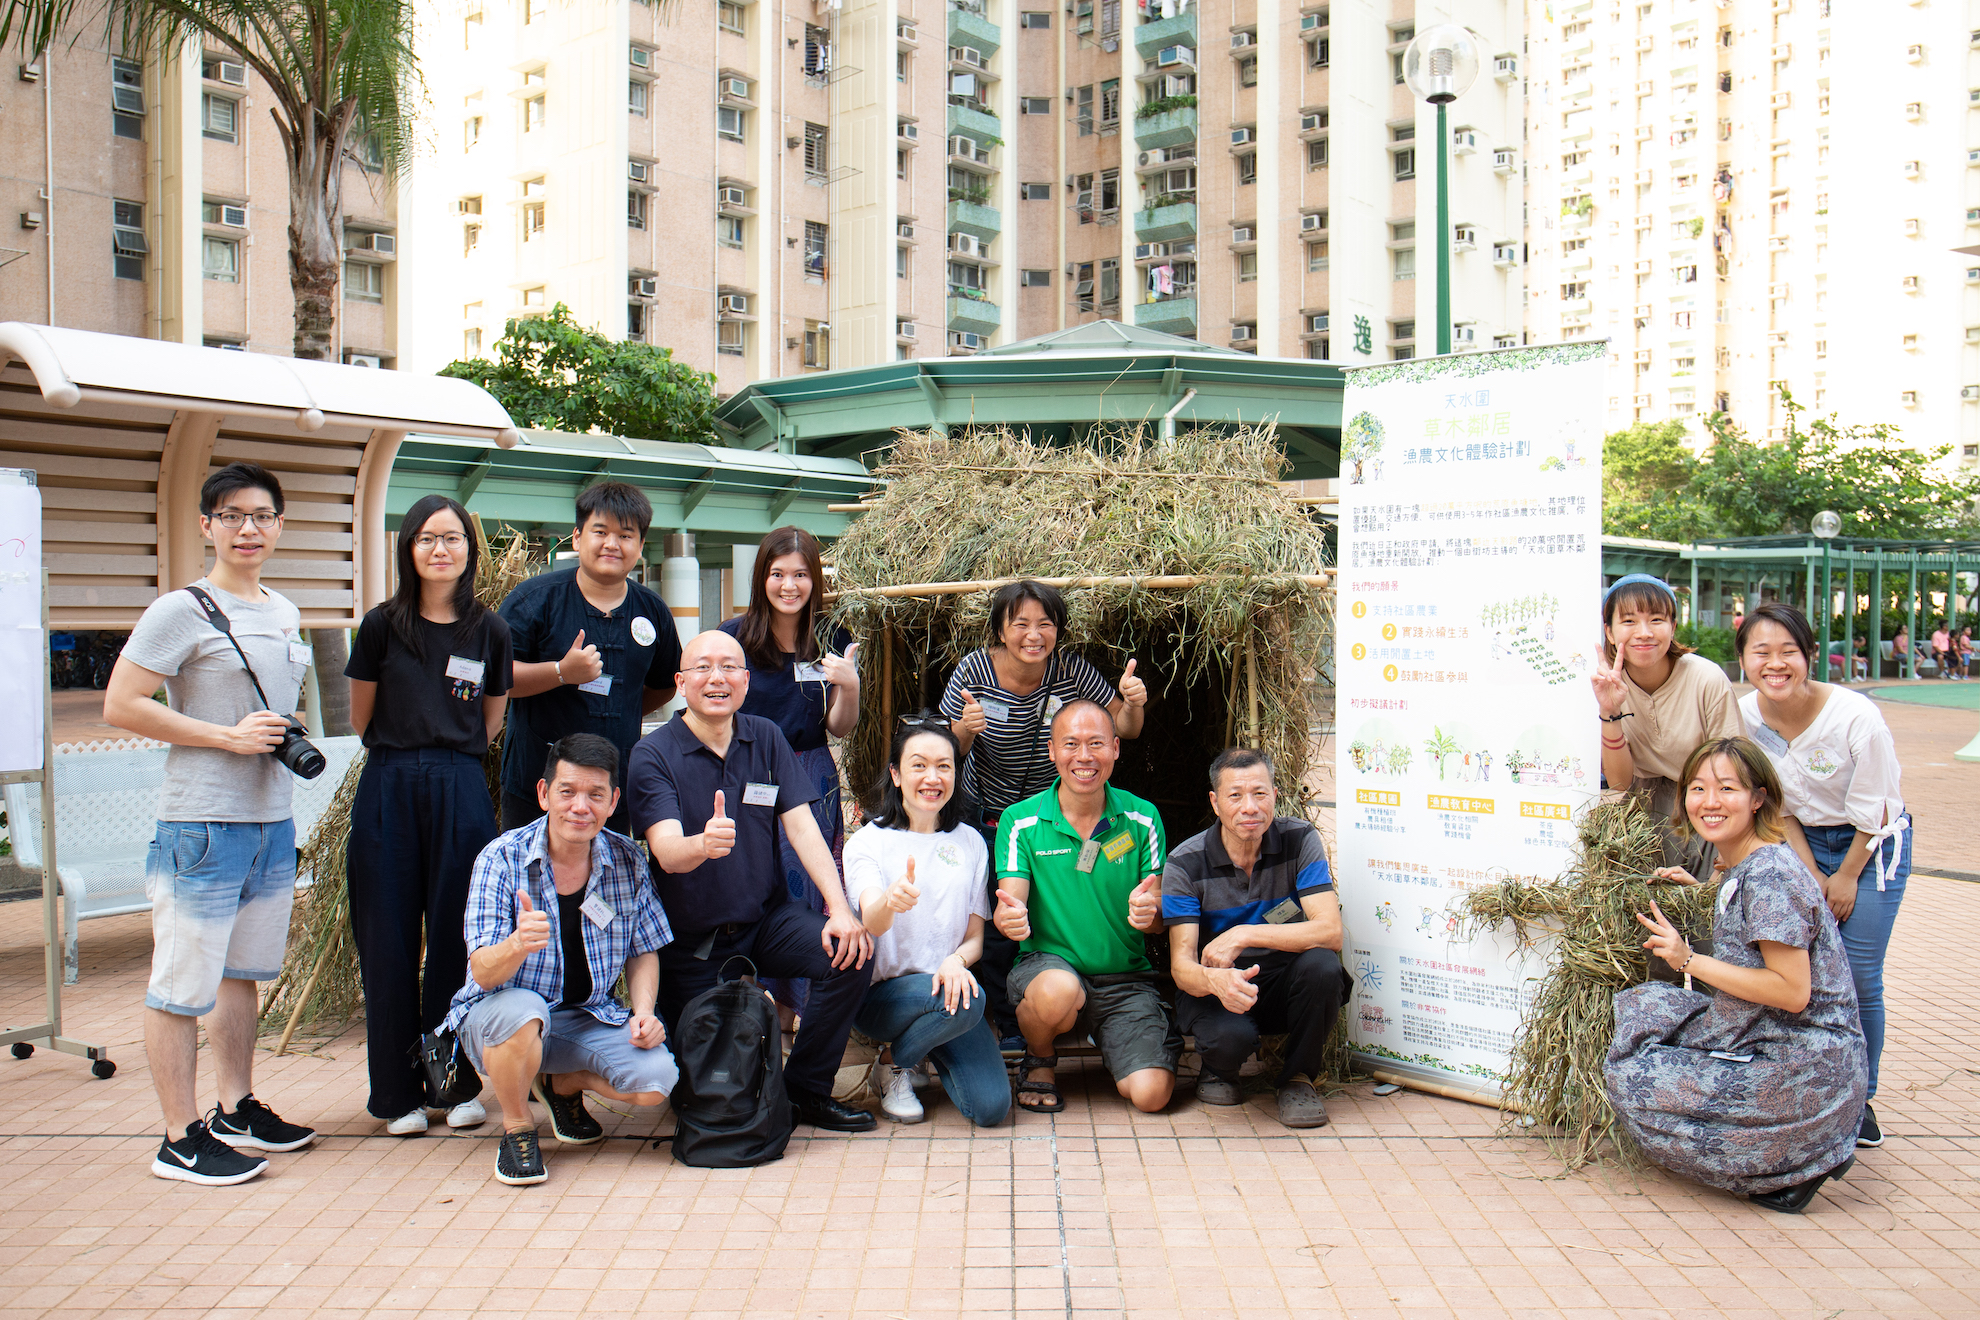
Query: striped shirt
{"type": "Point", "coordinates": [1012, 758]}
{"type": "Point", "coordinates": [520, 860]}
{"type": "Point", "coordinates": [1202, 887]}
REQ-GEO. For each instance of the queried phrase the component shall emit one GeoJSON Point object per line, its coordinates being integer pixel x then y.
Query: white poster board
{"type": "Point", "coordinates": [1466, 628]}
{"type": "Point", "coordinates": [23, 645]}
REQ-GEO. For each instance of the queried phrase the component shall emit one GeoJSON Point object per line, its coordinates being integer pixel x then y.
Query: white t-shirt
{"type": "Point", "coordinates": [951, 870]}
{"type": "Point", "coordinates": [1842, 770]}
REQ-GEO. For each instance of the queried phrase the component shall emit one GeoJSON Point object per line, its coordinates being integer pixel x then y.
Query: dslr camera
{"type": "Point", "coordinates": [298, 753]}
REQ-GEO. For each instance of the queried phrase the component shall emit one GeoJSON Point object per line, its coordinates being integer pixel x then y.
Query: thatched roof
{"type": "Point", "coordinates": [1249, 592]}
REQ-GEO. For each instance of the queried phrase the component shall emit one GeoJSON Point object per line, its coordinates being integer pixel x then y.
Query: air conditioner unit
{"type": "Point", "coordinates": [1239, 40]}
{"type": "Point", "coordinates": [1969, 392]}
{"type": "Point", "coordinates": [966, 245]}
{"type": "Point", "coordinates": [1908, 398]}
{"type": "Point", "coordinates": [904, 330]}
{"type": "Point", "coordinates": [1643, 401]}
{"type": "Point", "coordinates": [1314, 22]}
{"type": "Point", "coordinates": [1782, 100]}
{"type": "Point", "coordinates": [385, 245]}
{"type": "Point", "coordinates": [1973, 215]}
{"type": "Point", "coordinates": [1504, 162]}
{"type": "Point", "coordinates": [1317, 324]}
{"type": "Point", "coordinates": [1505, 68]}
{"type": "Point", "coordinates": [1243, 137]}
{"type": "Point", "coordinates": [1646, 43]}
{"type": "Point", "coordinates": [129, 100]}
{"type": "Point", "coordinates": [966, 338]}
{"type": "Point", "coordinates": [736, 87]}
{"type": "Point", "coordinates": [361, 360]}
{"type": "Point", "coordinates": [737, 303]}
{"type": "Point", "coordinates": [1973, 334]}
{"type": "Point", "coordinates": [1642, 176]}
{"type": "Point", "coordinates": [1505, 254]}
{"type": "Point", "coordinates": [1646, 87]}
{"type": "Point", "coordinates": [235, 217]}
{"type": "Point", "coordinates": [903, 230]}
{"type": "Point", "coordinates": [1464, 238]}
{"type": "Point", "coordinates": [1312, 122]}
{"type": "Point", "coordinates": [905, 30]}
{"type": "Point", "coordinates": [1464, 142]}
{"type": "Point", "coordinates": [31, 72]}
{"type": "Point", "coordinates": [1973, 274]}
{"type": "Point", "coordinates": [643, 286]}
{"type": "Point", "coordinates": [1642, 355]}
{"type": "Point", "coordinates": [1244, 234]}
{"type": "Point", "coordinates": [1241, 333]}
{"type": "Point", "coordinates": [962, 146]}
{"type": "Point", "coordinates": [1143, 251]}
{"type": "Point", "coordinates": [1777, 337]}
{"type": "Point", "coordinates": [641, 58]}
{"type": "Point", "coordinates": [1914, 53]}
{"type": "Point", "coordinates": [1312, 224]}
{"type": "Point", "coordinates": [229, 72]}
{"type": "Point", "coordinates": [1464, 334]}
{"type": "Point", "coordinates": [1911, 169]}
{"type": "Point", "coordinates": [1910, 284]}
{"type": "Point", "coordinates": [731, 196]}
{"type": "Point", "coordinates": [1175, 56]}
{"type": "Point", "coordinates": [637, 170]}
{"type": "Point", "coordinates": [1642, 268]}
{"type": "Point", "coordinates": [969, 55]}
{"type": "Point", "coordinates": [1151, 158]}
{"type": "Point", "coordinates": [907, 131]}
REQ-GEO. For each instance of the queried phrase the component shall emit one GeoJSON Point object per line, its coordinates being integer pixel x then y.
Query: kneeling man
{"type": "Point", "coordinates": [1255, 939]}
{"type": "Point", "coordinates": [556, 910]}
{"type": "Point", "coordinates": [1078, 873]}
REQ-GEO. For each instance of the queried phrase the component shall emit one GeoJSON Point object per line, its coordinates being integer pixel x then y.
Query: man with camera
{"type": "Point", "coordinates": [231, 657]}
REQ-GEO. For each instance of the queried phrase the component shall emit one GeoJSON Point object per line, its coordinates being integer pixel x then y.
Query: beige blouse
{"type": "Point", "coordinates": [1665, 727]}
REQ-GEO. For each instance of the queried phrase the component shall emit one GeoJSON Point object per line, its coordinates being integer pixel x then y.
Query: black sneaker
{"type": "Point", "coordinates": [569, 1119]}
{"type": "Point", "coordinates": [519, 1159]}
{"type": "Point", "coordinates": [1869, 1134]}
{"type": "Point", "coordinates": [199, 1158]}
{"type": "Point", "coordinates": [255, 1125]}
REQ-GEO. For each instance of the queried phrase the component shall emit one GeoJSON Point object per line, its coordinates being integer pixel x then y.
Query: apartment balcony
{"type": "Point", "coordinates": [1177, 31]}
{"type": "Point", "coordinates": [1170, 128]}
{"type": "Point", "coordinates": [1161, 224]}
{"type": "Point", "coordinates": [984, 222]}
{"type": "Point", "coordinates": [975, 124]}
{"type": "Point", "coordinates": [967, 28]}
{"type": "Point", "coordinates": [1176, 316]}
{"type": "Point", "coordinates": [976, 315]}
{"type": "Point", "coordinates": [1576, 220]}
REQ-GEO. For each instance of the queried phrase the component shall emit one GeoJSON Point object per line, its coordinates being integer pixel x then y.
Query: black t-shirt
{"type": "Point", "coordinates": [577, 968]}
{"type": "Point", "coordinates": [419, 704]}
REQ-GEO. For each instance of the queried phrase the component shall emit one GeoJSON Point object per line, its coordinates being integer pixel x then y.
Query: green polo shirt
{"type": "Point", "coordinates": [1082, 916]}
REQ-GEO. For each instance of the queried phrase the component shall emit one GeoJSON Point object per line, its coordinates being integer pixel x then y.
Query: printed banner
{"type": "Point", "coordinates": [1469, 590]}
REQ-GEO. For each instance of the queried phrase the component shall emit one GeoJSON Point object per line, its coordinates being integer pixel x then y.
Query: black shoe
{"type": "Point", "coordinates": [199, 1158]}
{"type": "Point", "coordinates": [1869, 1134]}
{"type": "Point", "coordinates": [822, 1111]}
{"type": "Point", "coordinates": [569, 1119]}
{"type": "Point", "coordinates": [519, 1159]}
{"type": "Point", "coordinates": [256, 1126]}
{"type": "Point", "coordinates": [1793, 1200]}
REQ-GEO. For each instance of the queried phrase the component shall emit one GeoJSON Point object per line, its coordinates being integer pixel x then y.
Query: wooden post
{"type": "Point", "coordinates": [1251, 684]}
{"type": "Point", "coordinates": [1230, 699]}
{"type": "Point", "coordinates": [887, 683]}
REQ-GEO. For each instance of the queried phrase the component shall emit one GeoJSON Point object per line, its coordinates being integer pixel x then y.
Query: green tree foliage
{"type": "Point", "coordinates": [1653, 486]}
{"type": "Point", "coordinates": [552, 373]}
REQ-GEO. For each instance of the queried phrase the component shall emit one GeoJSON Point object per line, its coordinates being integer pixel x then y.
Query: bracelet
{"type": "Point", "coordinates": [1689, 954]}
{"type": "Point", "coordinates": [1617, 745]}
{"type": "Point", "coordinates": [1617, 719]}
{"type": "Point", "coordinates": [558, 665]}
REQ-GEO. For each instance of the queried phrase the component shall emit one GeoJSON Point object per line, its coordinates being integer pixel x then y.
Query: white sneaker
{"type": "Point", "coordinates": [467, 1114]}
{"type": "Point", "coordinates": [408, 1124]}
{"type": "Point", "coordinates": [897, 1098]}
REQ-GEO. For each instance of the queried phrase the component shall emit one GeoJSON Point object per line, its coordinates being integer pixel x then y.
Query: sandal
{"type": "Point", "coordinates": [1054, 1102]}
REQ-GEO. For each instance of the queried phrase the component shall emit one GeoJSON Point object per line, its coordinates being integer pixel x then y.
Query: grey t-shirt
{"type": "Point", "coordinates": [204, 679]}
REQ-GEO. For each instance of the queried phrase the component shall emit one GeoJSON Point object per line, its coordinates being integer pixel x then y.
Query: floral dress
{"type": "Point", "coordinates": [1734, 1094]}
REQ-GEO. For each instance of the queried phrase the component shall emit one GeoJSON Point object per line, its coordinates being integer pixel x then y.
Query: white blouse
{"type": "Point", "coordinates": [1842, 769]}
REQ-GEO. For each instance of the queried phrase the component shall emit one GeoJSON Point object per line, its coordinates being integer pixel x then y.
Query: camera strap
{"type": "Point", "coordinates": [219, 620]}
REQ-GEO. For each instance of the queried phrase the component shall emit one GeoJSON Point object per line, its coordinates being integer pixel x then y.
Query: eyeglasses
{"type": "Point", "coordinates": [232, 521]}
{"type": "Point", "coordinates": [726, 671]}
{"type": "Point", "coordinates": [923, 722]}
{"type": "Point", "coordinates": [452, 540]}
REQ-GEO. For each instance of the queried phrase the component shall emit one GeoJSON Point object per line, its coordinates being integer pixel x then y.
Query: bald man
{"type": "Point", "coordinates": [708, 789]}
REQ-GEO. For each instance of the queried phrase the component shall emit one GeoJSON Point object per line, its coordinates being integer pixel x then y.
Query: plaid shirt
{"type": "Point", "coordinates": [519, 859]}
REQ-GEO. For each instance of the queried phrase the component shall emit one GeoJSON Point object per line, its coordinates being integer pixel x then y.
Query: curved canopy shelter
{"type": "Point", "coordinates": [1058, 389]}
{"type": "Point", "coordinates": [122, 432]}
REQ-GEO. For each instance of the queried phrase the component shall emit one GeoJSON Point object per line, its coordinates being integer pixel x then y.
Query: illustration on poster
{"type": "Point", "coordinates": [1362, 445]}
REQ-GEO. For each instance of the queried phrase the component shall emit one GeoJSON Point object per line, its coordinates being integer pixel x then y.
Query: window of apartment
{"type": "Point", "coordinates": [1034, 279]}
{"type": "Point", "coordinates": [470, 239]}
{"type": "Point", "coordinates": [1316, 155]}
{"type": "Point", "coordinates": [815, 149]}
{"type": "Point", "coordinates": [1034, 192]}
{"type": "Point", "coordinates": [1402, 331]}
{"type": "Point", "coordinates": [127, 99]}
{"type": "Point", "coordinates": [1083, 197]}
{"type": "Point", "coordinates": [128, 245]}
{"type": "Point", "coordinates": [729, 124]}
{"type": "Point", "coordinates": [364, 281]}
{"type": "Point", "coordinates": [1110, 102]}
{"type": "Point", "coordinates": [900, 66]}
{"type": "Point", "coordinates": [1083, 286]}
{"type": "Point", "coordinates": [1573, 290]}
{"type": "Point", "coordinates": [533, 112]}
{"type": "Point", "coordinates": [1402, 263]}
{"type": "Point", "coordinates": [635, 209]}
{"type": "Point", "coordinates": [1405, 164]}
{"type": "Point", "coordinates": [636, 321]}
{"type": "Point", "coordinates": [1316, 255]}
{"type": "Point", "coordinates": [217, 116]}
{"type": "Point", "coordinates": [1247, 168]}
{"type": "Point", "coordinates": [1083, 110]}
{"type": "Point", "coordinates": [470, 132]}
{"type": "Point", "coordinates": [1035, 105]}
{"type": "Point", "coordinates": [534, 9]}
{"type": "Point", "coordinates": [1110, 191]}
{"type": "Point", "coordinates": [471, 343]}
{"type": "Point", "coordinates": [900, 163]}
{"type": "Point", "coordinates": [1110, 282]}
{"type": "Point", "coordinates": [1317, 349]}
{"type": "Point", "coordinates": [535, 297]}
{"type": "Point", "coordinates": [1322, 53]}
{"type": "Point", "coordinates": [1247, 267]}
{"type": "Point", "coordinates": [1248, 72]}
{"type": "Point", "coordinates": [729, 338]}
{"type": "Point", "coordinates": [1035, 20]}
{"type": "Point", "coordinates": [817, 50]}
{"type": "Point", "coordinates": [636, 97]}
{"type": "Point", "coordinates": [964, 275]}
{"type": "Point", "coordinates": [532, 209]}
{"type": "Point", "coordinates": [900, 263]}
{"type": "Point", "coordinates": [817, 345]}
{"type": "Point", "coordinates": [815, 238]}
{"type": "Point", "coordinates": [729, 17]}
{"type": "Point", "coordinates": [1110, 18]}
{"type": "Point", "coordinates": [220, 260]}
{"type": "Point", "coordinates": [470, 30]}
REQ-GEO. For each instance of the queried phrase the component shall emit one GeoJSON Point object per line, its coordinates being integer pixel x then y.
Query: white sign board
{"type": "Point", "coordinates": [1466, 628]}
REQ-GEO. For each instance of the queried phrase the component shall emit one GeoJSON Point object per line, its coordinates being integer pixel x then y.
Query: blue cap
{"type": "Point", "coordinates": [1639, 580]}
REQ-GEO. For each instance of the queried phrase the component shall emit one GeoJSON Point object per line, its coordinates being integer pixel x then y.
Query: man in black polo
{"type": "Point", "coordinates": [708, 789]}
{"type": "Point", "coordinates": [594, 650]}
{"type": "Point", "coordinates": [1255, 939]}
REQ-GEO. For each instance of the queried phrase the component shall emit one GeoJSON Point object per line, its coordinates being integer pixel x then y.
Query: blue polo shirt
{"type": "Point", "coordinates": [674, 776]}
{"type": "Point", "coordinates": [636, 642]}
{"type": "Point", "coordinates": [796, 703]}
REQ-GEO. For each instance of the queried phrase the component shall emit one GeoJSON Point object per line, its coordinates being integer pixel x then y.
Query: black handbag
{"type": "Point", "coordinates": [443, 1066]}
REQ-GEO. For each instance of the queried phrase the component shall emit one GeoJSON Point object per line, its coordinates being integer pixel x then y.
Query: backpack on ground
{"type": "Point", "coordinates": [730, 1105]}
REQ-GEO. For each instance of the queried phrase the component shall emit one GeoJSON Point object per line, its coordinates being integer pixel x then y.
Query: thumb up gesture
{"type": "Point", "coordinates": [902, 894]}
{"type": "Point", "coordinates": [973, 719]}
{"type": "Point", "coordinates": [718, 836]}
{"type": "Point", "coordinates": [581, 663]}
{"type": "Point", "coordinates": [1013, 918]}
{"type": "Point", "coordinates": [532, 927]}
{"type": "Point", "coordinates": [1133, 691]}
{"type": "Point", "coordinates": [1145, 904]}
{"type": "Point", "coordinates": [842, 670]}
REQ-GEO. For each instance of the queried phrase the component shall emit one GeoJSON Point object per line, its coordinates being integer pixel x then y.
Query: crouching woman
{"type": "Point", "coordinates": [918, 878]}
{"type": "Point", "coordinates": [1759, 1088]}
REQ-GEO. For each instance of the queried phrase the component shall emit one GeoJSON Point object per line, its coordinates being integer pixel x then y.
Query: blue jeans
{"type": "Point", "coordinates": [907, 1013]}
{"type": "Point", "coordinates": [1867, 933]}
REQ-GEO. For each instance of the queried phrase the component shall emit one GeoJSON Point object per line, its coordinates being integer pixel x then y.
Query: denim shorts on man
{"type": "Point", "coordinates": [573, 1041]}
{"type": "Point", "coordinates": [220, 895]}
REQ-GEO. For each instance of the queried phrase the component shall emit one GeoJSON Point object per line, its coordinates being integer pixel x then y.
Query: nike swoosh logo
{"type": "Point", "coordinates": [192, 1163]}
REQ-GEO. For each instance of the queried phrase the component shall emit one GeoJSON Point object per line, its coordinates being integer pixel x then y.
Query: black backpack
{"type": "Point", "coordinates": [730, 1105]}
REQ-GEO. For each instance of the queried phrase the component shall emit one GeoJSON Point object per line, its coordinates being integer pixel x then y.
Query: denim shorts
{"type": "Point", "coordinates": [573, 1041]}
{"type": "Point", "coordinates": [220, 895]}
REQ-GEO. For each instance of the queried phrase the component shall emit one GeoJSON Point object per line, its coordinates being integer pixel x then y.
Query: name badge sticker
{"type": "Point", "coordinates": [1118, 846]}
{"type": "Point", "coordinates": [602, 685]}
{"type": "Point", "coordinates": [642, 630]}
{"type": "Point", "coordinates": [760, 795]}
{"type": "Point", "coordinates": [995, 710]}
{"type": "Point", "coordinates": [809, 672]}
{"type": "Point", "coordinates": [300, 654]}
{"type": "Point", "coordinates": [1289, 910]}
{"type": "Point", "coordinates": [1089, 853]}
{"type": "Point", "coordinates": [459, 666]}
{"type": "Point", "coordinates": [597, 911]}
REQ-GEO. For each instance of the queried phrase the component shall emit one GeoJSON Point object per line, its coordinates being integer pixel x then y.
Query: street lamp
{"type": "Point", "coordinates": [1440, 66]}
{"type": "Point", "coordinates": [1826, 525]}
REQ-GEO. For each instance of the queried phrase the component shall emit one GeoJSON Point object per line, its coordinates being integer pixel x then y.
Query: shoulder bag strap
{"type": "Point", "coordinates": [219, 620]}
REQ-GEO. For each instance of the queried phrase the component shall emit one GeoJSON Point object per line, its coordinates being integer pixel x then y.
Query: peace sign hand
{"type": "Point", "coordinates": [1610, 692]}
{"type": "Point", "coordinates": [1665, 941]}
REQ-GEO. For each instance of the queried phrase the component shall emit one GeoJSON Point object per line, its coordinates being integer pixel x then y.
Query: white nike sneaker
{"type": "Point", "coordinates": [409, 1124]}
{"type": "Point", "coordinates": [467, 1114]}
{"type": "Point", "coordinates": [897, 1098]}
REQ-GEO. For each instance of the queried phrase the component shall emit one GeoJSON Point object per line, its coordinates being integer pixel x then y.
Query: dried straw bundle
{"type": "Point", "coordinates": [1590, 914]}
{"type": "Point", "coordinates": [319, 984]}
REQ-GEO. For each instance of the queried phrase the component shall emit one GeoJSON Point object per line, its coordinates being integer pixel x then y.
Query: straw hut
{"type": "Point", "coordinates": [1185, 554]}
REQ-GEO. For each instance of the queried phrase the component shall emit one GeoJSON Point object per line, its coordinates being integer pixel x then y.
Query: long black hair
{"type": "Point", "coordinates": [402, 611]}
{"type": "Point", "coordinates": [892, 813]}
{"type": "Point", "coordinates": [759, 640]}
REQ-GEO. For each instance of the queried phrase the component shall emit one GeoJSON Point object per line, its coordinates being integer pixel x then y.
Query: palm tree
{"type": "Point", "coordinates": [341, 74]}
{"type": "Point", "coordinates": [1440, 745]}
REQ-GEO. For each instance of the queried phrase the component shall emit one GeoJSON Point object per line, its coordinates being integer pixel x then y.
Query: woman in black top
{"type": "Point", "coordinates": [429, 677]}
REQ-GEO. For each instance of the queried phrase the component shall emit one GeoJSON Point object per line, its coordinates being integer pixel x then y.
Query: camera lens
{"type": "Point", "coordinates": [300, 755]}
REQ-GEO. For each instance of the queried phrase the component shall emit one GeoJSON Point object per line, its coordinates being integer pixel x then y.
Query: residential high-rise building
{"type": "Point", "coordinates": [822, 185]}
{"type": "Point", "coordinates": [1744, 194]}
{"type": "Point", "coordinates": [150, 197]}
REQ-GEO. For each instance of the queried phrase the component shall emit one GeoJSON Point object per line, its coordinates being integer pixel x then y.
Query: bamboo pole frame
{"type": "Point", "coordinates": [1323, 580]}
